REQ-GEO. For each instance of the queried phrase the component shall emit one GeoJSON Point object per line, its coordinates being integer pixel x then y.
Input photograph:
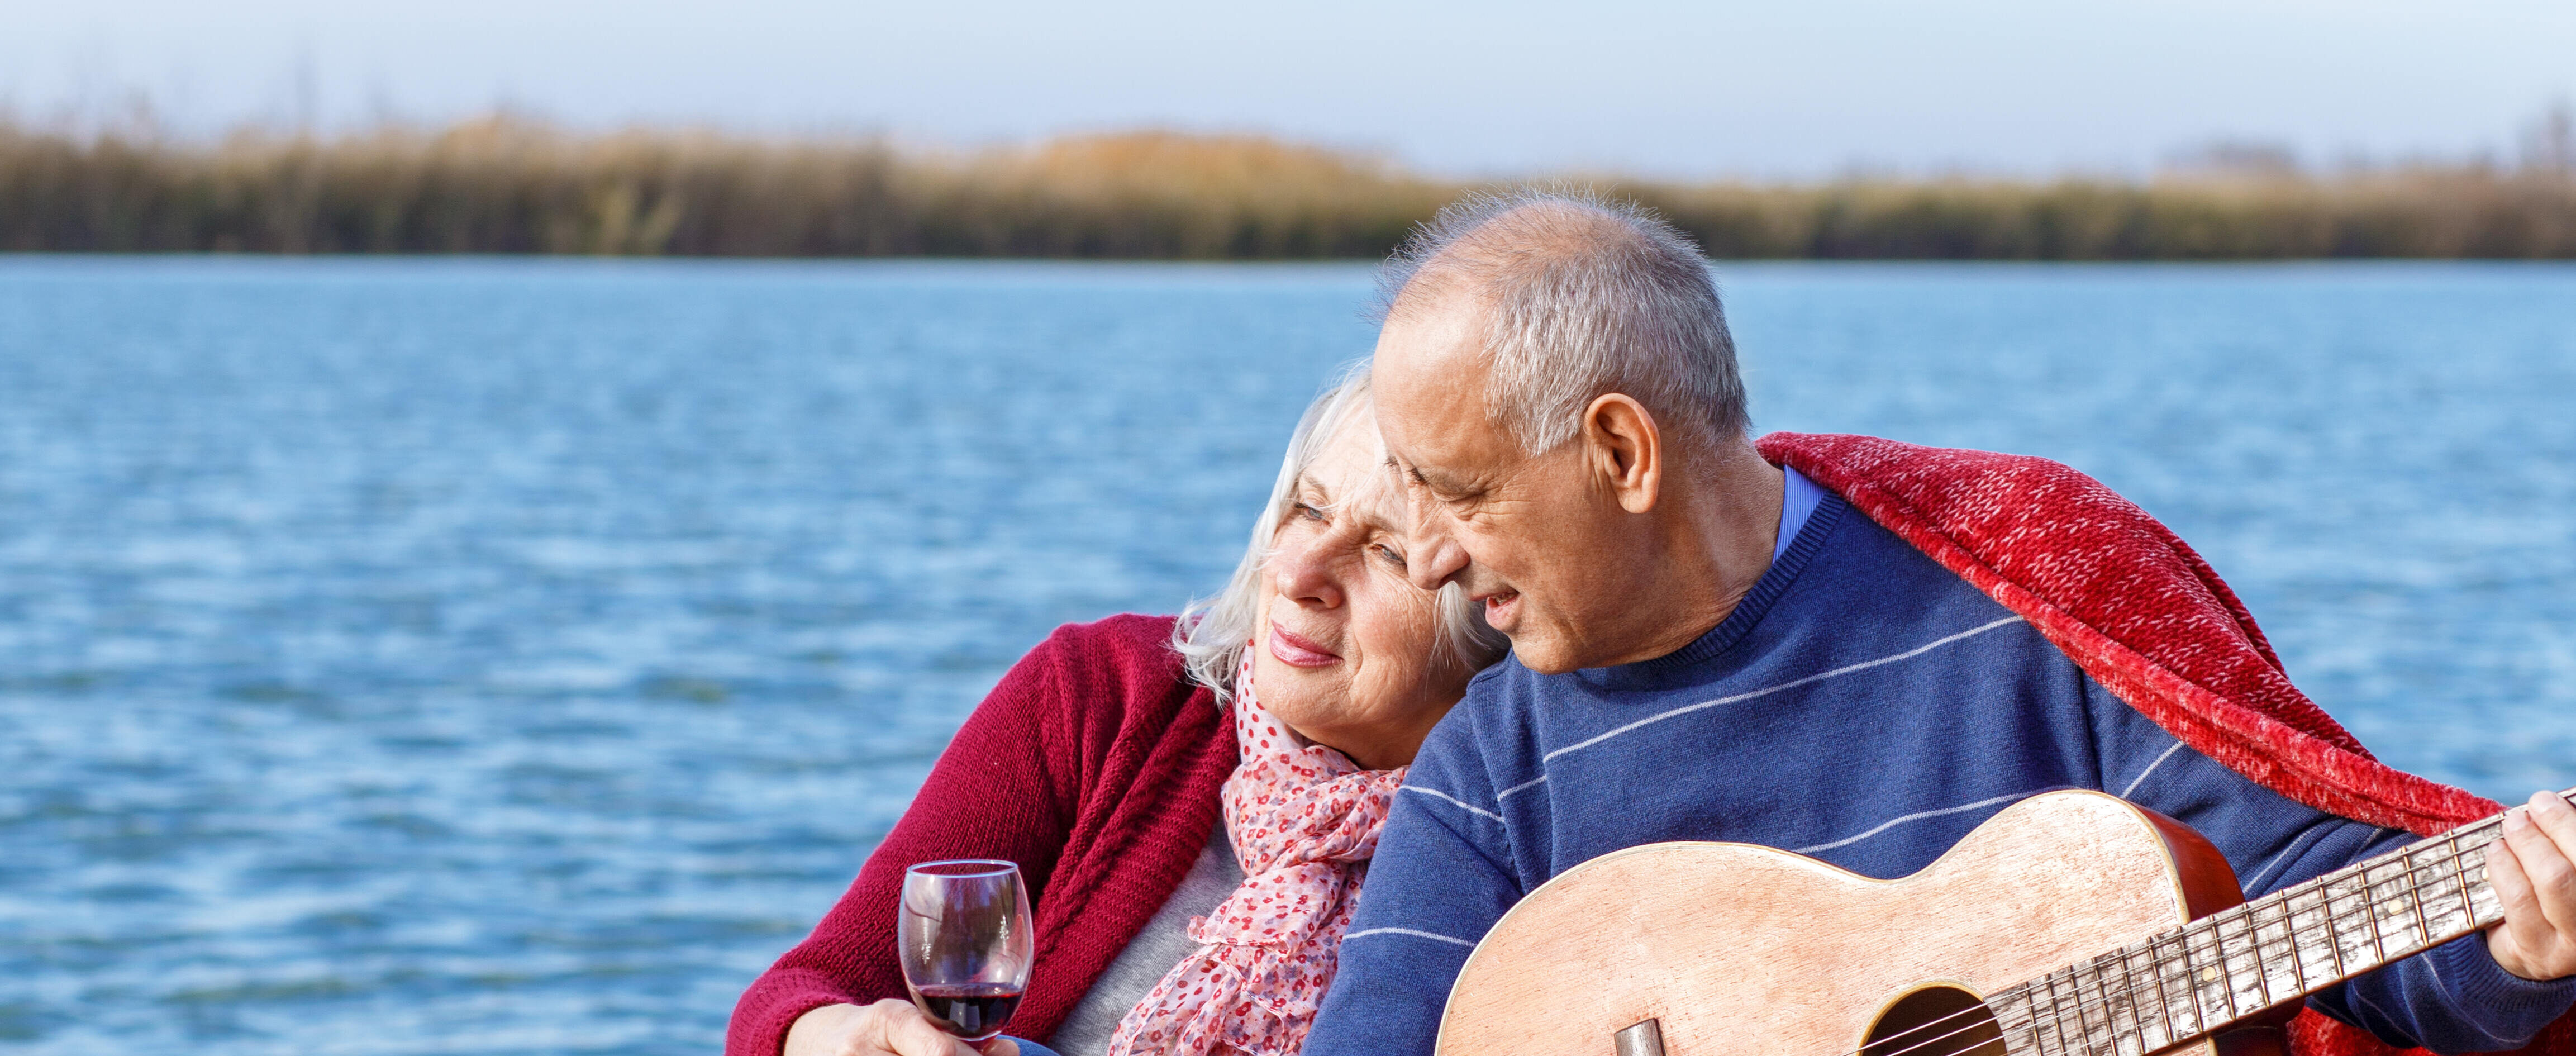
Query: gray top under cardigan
{"type": "Point", "coordinates": [1154, 951]}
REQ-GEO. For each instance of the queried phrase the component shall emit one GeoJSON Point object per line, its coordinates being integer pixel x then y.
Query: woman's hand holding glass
{"type": "Point", "coordinates": [962, 935]}
{"type": "Point", "coordinates": [892, 1027]}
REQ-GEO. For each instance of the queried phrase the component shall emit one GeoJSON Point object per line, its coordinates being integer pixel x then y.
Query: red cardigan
{"type": "Point", "coordinates": [1095, 764]}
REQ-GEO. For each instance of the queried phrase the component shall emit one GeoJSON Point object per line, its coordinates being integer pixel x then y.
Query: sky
{"type": "Point", "coordinates": [1660, 89]}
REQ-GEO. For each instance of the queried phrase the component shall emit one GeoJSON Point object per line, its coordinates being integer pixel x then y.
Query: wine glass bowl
{"type": "Point", "coordinates": [962, 933]}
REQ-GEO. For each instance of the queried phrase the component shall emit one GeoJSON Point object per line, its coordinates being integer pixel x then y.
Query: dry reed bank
{"type": "Point", "coordinates": [502, 185]}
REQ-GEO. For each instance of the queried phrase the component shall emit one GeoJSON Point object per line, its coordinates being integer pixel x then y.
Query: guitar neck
{"type": "Point", "coordinates": [2194, 981]}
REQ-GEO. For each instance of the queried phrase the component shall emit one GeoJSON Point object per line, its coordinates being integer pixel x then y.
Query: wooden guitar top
{"type": "Point", "coordinates": [1737, 948]}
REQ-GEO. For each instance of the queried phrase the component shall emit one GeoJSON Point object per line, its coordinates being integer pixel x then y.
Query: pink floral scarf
{"type": "Point", "coordinates": [1304, 822]}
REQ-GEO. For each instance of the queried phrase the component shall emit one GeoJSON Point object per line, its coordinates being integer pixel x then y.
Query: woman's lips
{"type": "Point", "coordinates": [1298, 652]}
{"type": "Point", "coordinates": [1499, 608]}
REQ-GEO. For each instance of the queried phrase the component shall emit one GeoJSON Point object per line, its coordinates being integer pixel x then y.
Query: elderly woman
{"type": "Point", "coordinates": [1105, 760]}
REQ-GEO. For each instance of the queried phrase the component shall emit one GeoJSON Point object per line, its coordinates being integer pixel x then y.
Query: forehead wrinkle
{"type": "Point", "coordinates": [1307, 484]}
{"type": "Point", "coordinates": [1374, 503]}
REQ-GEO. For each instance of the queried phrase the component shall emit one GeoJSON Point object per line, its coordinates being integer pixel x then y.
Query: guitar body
{"type": "Point", "coordinates": [1735, 948]}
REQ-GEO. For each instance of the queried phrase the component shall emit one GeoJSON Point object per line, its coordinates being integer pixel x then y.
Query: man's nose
{"type": "Point", "coordinates": [1433, 556]}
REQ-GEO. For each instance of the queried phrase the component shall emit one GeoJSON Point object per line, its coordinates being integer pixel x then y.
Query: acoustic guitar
{"type": "Point", "coordinates": [2071, 924]}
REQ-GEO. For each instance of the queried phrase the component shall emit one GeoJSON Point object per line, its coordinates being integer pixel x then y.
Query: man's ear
{"type": "Point", "coordinates": [1624, 450]}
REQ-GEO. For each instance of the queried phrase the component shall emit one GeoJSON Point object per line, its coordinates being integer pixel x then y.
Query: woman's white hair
{"type": "Point", "coordinates": [1214, 631]}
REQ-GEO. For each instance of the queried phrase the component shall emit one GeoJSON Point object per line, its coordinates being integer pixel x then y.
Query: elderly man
{"type": "Point", "coordinates": [1708, 646]}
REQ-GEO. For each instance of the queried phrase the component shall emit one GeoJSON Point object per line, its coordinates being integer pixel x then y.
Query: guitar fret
{"type": "Point", "coordinates": [2211, 978]}
{"type": "Point", "coordinates": [2353, 953]}
{"type": "Point", "coordinates": [2163, 1019]}
{"type": "Point", "coordinates": [2262, 967]}
{"type": "Point", "coordinates": [2415, 900]}
{"type": "Point", "coordinates": [2085, 1004]}
{"type": "Point", "coordinates": [2370, 916]}
{"type": "Point", "coordinates": [2334, 935]}
{"type": "Point", "coordinates": [2484, 908]}
{"type": "Point", "coordinates": [2281, 934]}
{"type": "Point", "coordinates": [2420, 879]}
{"type": "Point", "coordinates": [2160, 978]}
{"type": "Point", "coordinates": [2013, 1013]}
{"type": "Point", "coordinates": [2456, 874]}
{"type": "Point", "coordinates": [2017, 1011]}
{"type": "Point", "coordinates": [2087, 1007]}
{"type": "Point", "coordinates": [2039, 1023]}
{"type": "Point", "coordinates": [2303, 899]}
{"type": "Point", "coordinates": [2075, 1005]}
{"type": "Point", "coordinates": [2382, 907]}
{"type": "Point", "coordinates": [2460, 880]}
{"type": "Point", "coordinates": [2190, 980]}
{"type": "Point", "coordinates": [2241, 961]}
{"type": "Point", "coordinates": [2031, 1029]}
{"type": "Point", "coordinates": [2056, 1011]}
{"type": "Point", "coordinates": [2124, 1005]}
{"type": "Point", "coordinates": [2117, 1002]}
{"type": "Point", "coordinates": [2129, 998]}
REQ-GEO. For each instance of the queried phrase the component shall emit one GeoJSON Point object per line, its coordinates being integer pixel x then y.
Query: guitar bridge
{"type": "Point", "coordinates": [1642, 1038]}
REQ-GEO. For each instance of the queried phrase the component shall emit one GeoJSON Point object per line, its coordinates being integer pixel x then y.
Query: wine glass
{"type": "Point", "coordinates": [963, 935]}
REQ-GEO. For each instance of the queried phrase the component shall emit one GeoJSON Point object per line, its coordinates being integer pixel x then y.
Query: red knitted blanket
{"type": "Point", "coordinates": [2147, 618]}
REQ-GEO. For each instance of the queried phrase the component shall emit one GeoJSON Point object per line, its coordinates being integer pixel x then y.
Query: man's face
{"type": "Point", "coordinates": [1545, 548]}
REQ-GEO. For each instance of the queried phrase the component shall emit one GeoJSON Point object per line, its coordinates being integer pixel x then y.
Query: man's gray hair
{"type": "Point", "coordinates": [1584, 296]}
{"type": "Point", "coordinates": [1213, 632]}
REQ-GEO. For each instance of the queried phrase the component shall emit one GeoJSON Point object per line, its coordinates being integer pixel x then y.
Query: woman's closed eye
{"type": "Point", "coordinates": [1389, 554]}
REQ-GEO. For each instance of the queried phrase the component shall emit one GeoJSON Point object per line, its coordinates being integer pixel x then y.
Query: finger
{"type": "Point", "coordinates": [2557, 818]}
{"type": "Point", "coordinates": [2549, 861]}
{"type": "Point", "coordinates": [2528, 874]}
{"type": "Point", "coordinates": [916, 1035]}
{"type": "Point", "coordinates": [2544, 859]}
{"type": "Point", "coordinates": [896, 1025]}
{"type": "Point", "coordinates": [1001, 1047]}
{"type": "Point", "coordinates": [2525, 932]}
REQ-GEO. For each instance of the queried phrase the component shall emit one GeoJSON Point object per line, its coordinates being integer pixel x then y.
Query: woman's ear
{"type": "Point", "coordinates": [1624, 451]}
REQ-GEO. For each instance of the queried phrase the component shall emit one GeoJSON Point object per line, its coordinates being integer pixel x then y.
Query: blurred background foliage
{"type": "Point", "coordinates": [513, 184]}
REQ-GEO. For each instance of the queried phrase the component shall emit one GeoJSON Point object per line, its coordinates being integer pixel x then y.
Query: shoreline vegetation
{"type": "Point", "coordinates": [507, 184]}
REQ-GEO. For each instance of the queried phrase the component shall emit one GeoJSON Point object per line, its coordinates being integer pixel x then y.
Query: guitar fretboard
{"type": "Point", "coordinates": [2188, 983]}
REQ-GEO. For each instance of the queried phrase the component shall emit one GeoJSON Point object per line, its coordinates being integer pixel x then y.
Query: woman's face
{"type": "Point", "coordinates": [1346, 648]}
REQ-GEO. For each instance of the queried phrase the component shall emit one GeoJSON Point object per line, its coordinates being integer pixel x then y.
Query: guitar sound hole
{"type": "Point", "coordinates": [1936, 1021]}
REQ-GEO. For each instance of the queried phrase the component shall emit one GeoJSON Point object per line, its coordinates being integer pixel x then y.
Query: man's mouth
{"type": "Point", "coordinates": [1500, 606]}
{"type": "Point", "coordinates": [1298, 651]}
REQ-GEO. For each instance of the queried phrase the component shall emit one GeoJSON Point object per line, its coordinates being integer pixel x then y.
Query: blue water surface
{"type": "Point", "coordinates": [514, 656]}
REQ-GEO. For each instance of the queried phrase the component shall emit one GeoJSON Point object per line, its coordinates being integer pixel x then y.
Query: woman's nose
{"type": "Point", "coordinates": [1304, 572]}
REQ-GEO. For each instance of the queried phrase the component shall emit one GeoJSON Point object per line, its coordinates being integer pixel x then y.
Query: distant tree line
{"type": "Point", "coordinates": [507, 185]}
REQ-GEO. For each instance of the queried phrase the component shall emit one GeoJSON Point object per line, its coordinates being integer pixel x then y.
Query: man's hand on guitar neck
{"type": "Point", "coordinates": [2536, 880]}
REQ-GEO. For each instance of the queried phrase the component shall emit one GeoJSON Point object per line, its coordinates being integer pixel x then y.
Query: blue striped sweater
{"type": "Point", "coordinates": [1861, 705]}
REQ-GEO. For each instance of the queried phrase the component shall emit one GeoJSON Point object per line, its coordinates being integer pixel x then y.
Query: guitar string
{"type": "Point", "coordinates": [2427, 867]}
{"type": "Point", "coordinates": [2248, 911]}
{"type": "Point", "coordinates": [2443, 858]}
{"type": "Point", "coordinates": [2055, 1011]}
{"type": "Point", "coordinates": [1864, 1051]}
{"type": "Point", "coordinates": [2107, 1005]}
{"type": "Point", "coordinates": [2249, 914]}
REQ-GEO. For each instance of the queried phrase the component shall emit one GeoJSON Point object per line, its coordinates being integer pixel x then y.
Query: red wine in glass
{"type": "Point", "coordinates": [974, 1011]}
{"type": "Point", "coordinates": [962, 933]}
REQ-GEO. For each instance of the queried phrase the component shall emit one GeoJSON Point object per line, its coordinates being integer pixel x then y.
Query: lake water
{"type": "Point", "coordinates": [515, 656]}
